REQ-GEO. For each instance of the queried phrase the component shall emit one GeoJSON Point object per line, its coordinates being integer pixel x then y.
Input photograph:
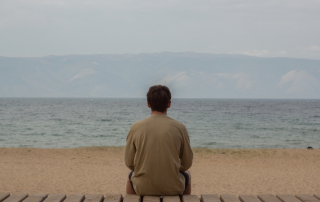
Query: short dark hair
{"type": "Point", "coordinates": [159, 97]}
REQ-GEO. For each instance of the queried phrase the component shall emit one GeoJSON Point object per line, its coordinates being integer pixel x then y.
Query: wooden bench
{"type": "Point", "coordinates": [6, 197]}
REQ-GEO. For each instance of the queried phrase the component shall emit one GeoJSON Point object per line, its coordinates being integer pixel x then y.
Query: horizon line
{"type": "Point", "coordinates": [171, 99]}
{"type": "Point", "coordinates": [163, 52]}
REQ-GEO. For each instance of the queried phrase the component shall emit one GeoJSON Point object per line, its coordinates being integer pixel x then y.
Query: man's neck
{"type": "Point", "coordinates": [156, 112]}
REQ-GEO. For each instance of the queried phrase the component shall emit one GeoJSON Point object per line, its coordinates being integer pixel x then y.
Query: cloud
{"type": "Point", "coordinates": [299, 82]}
{"type": "Point", "coordinates": [223, 75]}
{"type": "Point", "coordinates": [62, 27]}
{"type": "Point", "coordinates": [244, 81]}
{"type": "Point", "coordinates": [313, 48]}
{"type": "Point", "coordinates": [83, 73]}
{"type": "Point", "coordinates": [176, 79]}
{"type": "Point", "coordinates": [256, 53]}
{"type": "Point", "coordinates": [262, 53]}
{"type": "Point", "coordinates": [282, 52]}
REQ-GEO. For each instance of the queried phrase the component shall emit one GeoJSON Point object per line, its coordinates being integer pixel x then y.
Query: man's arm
{"type": "Point", "coordinates": [130, 151]}
{"type": "Point", "coordinates": [186, 154]}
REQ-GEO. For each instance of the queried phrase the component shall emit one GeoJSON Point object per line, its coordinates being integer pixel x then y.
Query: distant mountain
{"type": "Point", "coordinates": [191, 75]}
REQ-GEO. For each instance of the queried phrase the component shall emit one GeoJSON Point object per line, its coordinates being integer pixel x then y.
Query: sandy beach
{"type": "Point", "coordinates": [102, 170]}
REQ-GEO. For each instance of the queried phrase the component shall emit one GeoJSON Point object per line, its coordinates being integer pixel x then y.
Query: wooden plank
{"type": "Point", "coordinates": [210, 198]}
{"type": "Point", "coordinates": [248, 198]}
{"type": "Point", "coordinates": [229, 198]}
{"type": "Point", "coordinates": [113, 198]}
{"type": "Point", "coordinates": [287, 198]}
{"type": "Point", "coordinates": [317, 196]}
{"type": "Point", "coordinates": [35, 198]}
{"type": "Point", "coordinates": [268, 198]}
{"type": "Point", "coordinates": [190, 198]}
{"type": "Point", "coordinates": [131, 198]}
{"type": "Point", "coordinates": [74, 198]}
{"type": "Point", "coordinates": [4, 196]}
{"type": "Point", "coordinates": [151, 199]}
{"type": "Point", "coordinates": [55, 198]}
{"type": "Point", "coordinates": [16, 198]}
{"type": "Point", "coordinates": [307, 198]}
{"type": "Point", "coordinates": [94, 198]}
{"type": "Point", "coordinates": [171, 199]}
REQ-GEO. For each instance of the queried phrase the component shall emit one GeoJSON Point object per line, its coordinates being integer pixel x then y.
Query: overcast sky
{"type": "Point", "coordinates": [272, 28]}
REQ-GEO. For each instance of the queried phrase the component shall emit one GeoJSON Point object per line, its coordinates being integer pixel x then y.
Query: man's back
{"type": "Point", "coordinates": [158, 147]}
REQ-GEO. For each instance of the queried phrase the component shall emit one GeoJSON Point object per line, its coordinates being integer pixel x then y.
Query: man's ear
{"type": "Point", "coordinates": [169, 105]}
{"type": "Point", "coordinates": [149, 105]}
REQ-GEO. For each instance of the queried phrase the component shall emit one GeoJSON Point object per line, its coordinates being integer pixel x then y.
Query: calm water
{"type": "Point", "coordinates": [212, 123]}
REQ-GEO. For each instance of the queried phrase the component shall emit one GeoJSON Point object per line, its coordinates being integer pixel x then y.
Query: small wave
{"type": "Point", "coordinates": [57, 135]}
{"type": "Point", "coordinates": [255, 136]}
{"type": "Point", "coordinates": [36, 133]}
{"type": "Point", "coordinates": [105, 120]}
{"type": "Point", "coordinates": [211, 143]}
{"type": "Point", "coordinates": [292, 140]}
{"type": "Point", "coordinates": [56, 119]}
{"type": "Point", "coordinates": [100, 136]}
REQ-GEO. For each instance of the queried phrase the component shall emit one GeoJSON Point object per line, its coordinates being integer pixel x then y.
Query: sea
{"type": "Point", "coordinates": [211, 123]}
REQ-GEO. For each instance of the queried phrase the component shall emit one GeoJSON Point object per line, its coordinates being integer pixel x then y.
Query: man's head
{"type": "Point", "coordinates": [159, 98]}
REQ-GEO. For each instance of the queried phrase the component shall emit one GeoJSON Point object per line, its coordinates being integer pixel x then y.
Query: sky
{"type": "Point", "coordinates": [273, 28]}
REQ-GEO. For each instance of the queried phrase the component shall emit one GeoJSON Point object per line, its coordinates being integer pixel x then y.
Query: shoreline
{"type": "Point", "coordinates": [91, 170]}
{"type": "Point", "coordinates": [193, 148]}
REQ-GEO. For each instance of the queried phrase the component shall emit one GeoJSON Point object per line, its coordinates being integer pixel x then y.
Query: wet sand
{"type": "Point", "coordinates": [102, 170]}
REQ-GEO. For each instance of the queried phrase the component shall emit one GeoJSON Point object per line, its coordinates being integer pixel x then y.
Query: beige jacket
{"type": "Point", "coordinates": [157, 148]}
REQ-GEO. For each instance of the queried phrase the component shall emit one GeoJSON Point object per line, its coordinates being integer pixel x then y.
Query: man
{"type": "Point", "coordinates": [158, 151]}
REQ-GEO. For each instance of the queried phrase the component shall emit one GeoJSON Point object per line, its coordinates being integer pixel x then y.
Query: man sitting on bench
{"type": "Point", "coordinates": [158, 151]}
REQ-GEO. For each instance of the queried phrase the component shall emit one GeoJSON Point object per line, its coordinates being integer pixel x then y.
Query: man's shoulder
{"type": "Point", "coordinates": [168, 120]}
{"type": "Point", "coordinates": [177, 123]}
{"type": "Point", "coordinates": [171, 122]}
{"type": "Point", "coordinates": [140, 123]}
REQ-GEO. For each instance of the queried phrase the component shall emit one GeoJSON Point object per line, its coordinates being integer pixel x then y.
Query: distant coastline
{"type": "Point", "coordinates": [188, 74]}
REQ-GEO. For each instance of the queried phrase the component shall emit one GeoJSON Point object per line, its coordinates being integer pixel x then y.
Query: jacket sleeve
{"type": "Point", "coordinates": [130, 151]}
{"type": "Point", "coordinates": [186, 154]}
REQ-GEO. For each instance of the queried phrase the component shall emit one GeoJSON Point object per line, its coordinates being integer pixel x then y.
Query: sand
{"type": "Point", "coordinates": [102, 170]}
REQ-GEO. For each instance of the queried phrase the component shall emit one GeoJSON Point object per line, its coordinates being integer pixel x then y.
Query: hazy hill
{"type": "Point", "coordinates": [187, 74]}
